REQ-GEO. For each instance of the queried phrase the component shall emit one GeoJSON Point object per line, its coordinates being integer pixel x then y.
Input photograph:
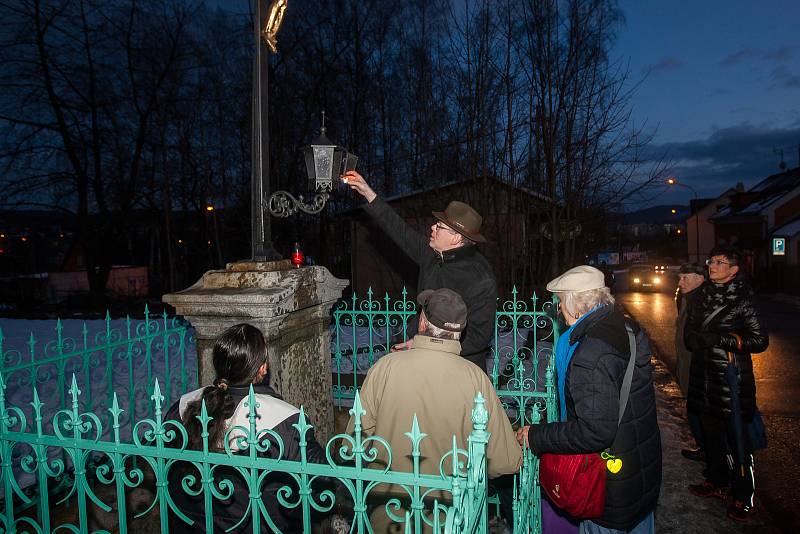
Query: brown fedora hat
{"type": "Point", "coordinates": [463, 219]}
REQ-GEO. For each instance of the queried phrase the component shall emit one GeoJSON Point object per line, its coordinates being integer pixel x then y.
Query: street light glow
{"type": "Point", "coordinates": [674, 211]}
{"type": "Point", "coordinates": [209, 208]}
{"type": "Point", "coordinates": [671, 181]}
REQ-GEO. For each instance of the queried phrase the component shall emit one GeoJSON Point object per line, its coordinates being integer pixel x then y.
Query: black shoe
{"type": "Point", "coordinates": [697, 454]}
{"type": "Point", "coordinates": [740, 511]}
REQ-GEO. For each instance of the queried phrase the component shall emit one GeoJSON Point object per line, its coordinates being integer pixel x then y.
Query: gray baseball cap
{"type": "Point", "coordinates": [444, 308]}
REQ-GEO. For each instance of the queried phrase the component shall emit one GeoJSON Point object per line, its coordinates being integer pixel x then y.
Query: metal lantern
{"type": "Point", "coordinates": [326, 162]}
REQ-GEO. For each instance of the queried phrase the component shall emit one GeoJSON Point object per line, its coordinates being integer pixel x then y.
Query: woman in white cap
{"type": "Point", "coordinates": [591, 359]}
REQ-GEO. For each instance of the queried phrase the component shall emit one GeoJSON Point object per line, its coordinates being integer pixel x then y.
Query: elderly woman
{"type": "Point", "coordinates": [591, 358]}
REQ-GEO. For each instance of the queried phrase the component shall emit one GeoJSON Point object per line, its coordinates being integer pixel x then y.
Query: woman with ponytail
{"type": "Point", "coordinates": [240, 361]}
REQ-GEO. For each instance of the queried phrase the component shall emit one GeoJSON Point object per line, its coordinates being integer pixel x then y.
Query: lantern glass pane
{"type": "Point", "coordinates": [323, 165]}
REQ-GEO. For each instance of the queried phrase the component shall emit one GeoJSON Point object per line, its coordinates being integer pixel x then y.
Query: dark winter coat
{"type": "Point", "coordinates": [593, 383]}
{"type": "Point", "coordinates": [709, 391]}
{"type": "Point", "coordinates": [274, 414]}
{"type": "Point", "coordinates": [684, 355]}
{"type": "Point", "coordinates": [464, 270]}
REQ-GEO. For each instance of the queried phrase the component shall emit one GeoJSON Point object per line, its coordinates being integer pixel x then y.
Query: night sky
{"type": "Point", "coordinates": [720, 80]}
{"type": "Point", "coordinates": [718, 83]}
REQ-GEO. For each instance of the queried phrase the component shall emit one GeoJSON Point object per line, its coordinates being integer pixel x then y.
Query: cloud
{"type": "Point", "coordinates": [783, 79]}
{"type": "Point", "coordinates": [662, 66]}
{"type": "Point", "coordinates": [778, 55]}
{"type": "Point", "coordinates": [740, 153]}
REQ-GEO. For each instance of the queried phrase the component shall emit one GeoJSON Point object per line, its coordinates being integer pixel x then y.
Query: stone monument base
{"type": "Point", "coordinates": [291, 306]}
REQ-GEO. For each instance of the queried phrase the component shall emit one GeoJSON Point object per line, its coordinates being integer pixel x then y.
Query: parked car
{"type": "Point", "coordinates": [646, 277]}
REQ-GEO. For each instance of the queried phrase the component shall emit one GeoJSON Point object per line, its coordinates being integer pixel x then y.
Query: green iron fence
{"type": "Point", "coordinates": [521, 365]}
{"type": "Point", "coordinates": [121, 357]}
{"type": "Point", "coordinates": [88, 450]}
{"type": "Point", "coordinates": [155, 461]}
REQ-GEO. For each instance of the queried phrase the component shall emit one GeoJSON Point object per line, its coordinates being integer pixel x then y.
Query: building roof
{"type": "Point", "coordinates": [789, 229]}
{"type": "Point", "coordinates": [760, 196]}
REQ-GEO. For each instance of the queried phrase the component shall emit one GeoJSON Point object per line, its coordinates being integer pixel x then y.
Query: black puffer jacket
{"type": "Point", "coordinates": [464, 270]}
{"type": "Point", "coordinates": [594, 380]}
{"type": "Point", "coordinates": [709, 391]}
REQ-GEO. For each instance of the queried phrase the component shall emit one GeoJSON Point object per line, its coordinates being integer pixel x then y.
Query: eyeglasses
{"type": "Point", "coordinates": [440, 226]}
{"type": "Point", "coordinates": [717, 262]}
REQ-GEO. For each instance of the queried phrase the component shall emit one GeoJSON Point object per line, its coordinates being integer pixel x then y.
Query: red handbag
{"type": "Point", "coordinates": [576, 483]}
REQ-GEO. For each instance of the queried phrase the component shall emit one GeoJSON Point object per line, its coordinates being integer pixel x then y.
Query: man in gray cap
{"type": "Point", "coordinates": [690, 277]}
{"type": "Point", "coordinates": [449, 258]}
{"type": "Point", "coordinates": [431, 381]}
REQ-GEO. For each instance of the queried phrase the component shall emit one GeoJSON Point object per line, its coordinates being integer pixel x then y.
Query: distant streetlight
{"type": "Point", "coordinates": [678, 231]}
{"type": "Point", "coordinates": [673, 211]}
{"type": "Point", "coordinates": [209, 208]}
{"type": "Point", "coordinates": [673, 181]}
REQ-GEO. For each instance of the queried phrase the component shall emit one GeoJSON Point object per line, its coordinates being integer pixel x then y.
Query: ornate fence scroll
{"type": "Point", "coordinates": [179, 486]}
{"type": "Point", "coordinates": [363, 331]}
{"type": "Point", "coordinates": [521, 363]}
{"type": "Point", "coordinates": [123, 357]}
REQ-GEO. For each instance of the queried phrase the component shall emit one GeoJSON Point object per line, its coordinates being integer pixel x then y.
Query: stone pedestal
{"type": "Point", "coordinates": [291, 306]}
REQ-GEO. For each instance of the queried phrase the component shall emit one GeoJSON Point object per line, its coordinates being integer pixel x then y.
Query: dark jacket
{"type": "Point", "coordinates": [684, 355]}
{"type": "Point", "coordinates": [464, 270]}
{"type": "Point", "coordinates": [228, 512]}
{"type": "Point", "coordinates": [593, 383]}
{"type": "Point", "coordinates": [709, 391]}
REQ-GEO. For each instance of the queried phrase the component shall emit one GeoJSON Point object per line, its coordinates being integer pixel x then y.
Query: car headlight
{"type": "Point", "coordinates": [656, 280]}
{"type": "Point", "coordinates": [636, 280]}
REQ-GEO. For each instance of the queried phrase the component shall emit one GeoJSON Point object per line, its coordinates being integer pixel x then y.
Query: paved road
{"type": "Point", "coordinates": [777, 385]}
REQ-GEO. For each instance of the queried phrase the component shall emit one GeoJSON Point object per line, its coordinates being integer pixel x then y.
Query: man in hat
{"type": "Point", "coordinates": [690, 277]}
{"type": "Point", "coordinates": [449, 258]}
{"type": "Point", "coordinates": [442, 398]}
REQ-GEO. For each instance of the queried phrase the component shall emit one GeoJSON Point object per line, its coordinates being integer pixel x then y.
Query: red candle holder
{"type": "Point", "coordinates": [297, 256]}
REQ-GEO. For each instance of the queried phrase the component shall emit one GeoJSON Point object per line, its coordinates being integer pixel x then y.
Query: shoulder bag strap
{"type": "Point", "coordinates": [713, 314]}
{"type": "Point", "coordinates": [625, 391]}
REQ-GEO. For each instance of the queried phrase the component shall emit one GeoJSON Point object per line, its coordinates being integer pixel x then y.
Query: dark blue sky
{"type": "Point", "coordinates": [720, 80]}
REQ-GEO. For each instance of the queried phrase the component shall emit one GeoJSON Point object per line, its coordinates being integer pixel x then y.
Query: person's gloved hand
{"type": "Point", "coordinates": [701, 340]}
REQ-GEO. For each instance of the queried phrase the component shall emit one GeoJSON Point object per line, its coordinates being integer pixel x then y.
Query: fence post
{"type": "Point", "coordinates": [477, 483]}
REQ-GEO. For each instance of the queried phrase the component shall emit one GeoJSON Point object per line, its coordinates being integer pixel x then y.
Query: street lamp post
{"type": "Point", "coordinates": [673, 181]}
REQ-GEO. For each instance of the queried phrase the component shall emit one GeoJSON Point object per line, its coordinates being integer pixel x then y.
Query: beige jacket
{"type": "Point", "coordinates": [432, 381]}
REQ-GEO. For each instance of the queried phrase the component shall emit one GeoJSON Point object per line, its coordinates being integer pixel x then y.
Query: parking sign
{"type": "Point", "coordinates": [778, 246]}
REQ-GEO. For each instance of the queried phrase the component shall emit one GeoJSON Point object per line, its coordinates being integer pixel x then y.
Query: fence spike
{"type": "Point", "coordinates": [37, 405]}
{"type": "Point", "coordinates": [252, 416]}
{"type": "Point", "coordinates": [158, 400]}
{"type": "Point", "coordinates": [74, 391]}
{"type": "Point", "coordinates": [415, 435]}
{"type": "Point", "coordinates": [115, 413]}
{"type": "Point", "coordinates": [204, 422]}
{"type": "Point", "coordinates": [357, 411]}
{"type": "Point", "coordinates": [32, 348]}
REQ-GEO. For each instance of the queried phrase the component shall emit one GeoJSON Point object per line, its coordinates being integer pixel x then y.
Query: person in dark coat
{"type": "Point", "coordinates": [448, 259]}
{"type": "Point", "coordinates": [690, 277]}
{"type": "Point", "coordinates": [591, 359]}
{"type": "Point", "coordinates": [725, 321]}
{"type": "Point", "coordinates": [240, 360]}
